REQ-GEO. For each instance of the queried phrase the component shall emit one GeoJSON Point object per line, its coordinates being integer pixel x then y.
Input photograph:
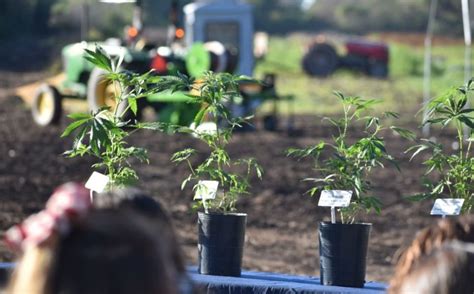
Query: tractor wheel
{"type": "Point", "coordinates": [101, 92]}
{"type": "Point", "coordinates": [321, 60]}
{"type": "Point", "coordinates": [213, 56]}
{"type": "Point", "coordinates": [46, 108]}
{"type": "Point", "coordinates": [219, 57]}
{"type": "Point", "coordinates": [198, 60]}
{"type": "Point", "coordinates": [378, 69]}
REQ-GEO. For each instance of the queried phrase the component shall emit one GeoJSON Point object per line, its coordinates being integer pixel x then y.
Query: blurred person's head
{"type": "Point", "coordinates": [429, 239]}
{"type": "Point", "coordinates": [134, 199]}
{"type": "Point", "coordinates": [138, 201]}
{"type": "Point", "coordinates": [69, 248]}
{"type": "Point", "coordinates": [448, 269]}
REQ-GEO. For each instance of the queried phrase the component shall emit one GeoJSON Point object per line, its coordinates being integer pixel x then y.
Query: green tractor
{"type": "Point", "coordinates": [214, 44]}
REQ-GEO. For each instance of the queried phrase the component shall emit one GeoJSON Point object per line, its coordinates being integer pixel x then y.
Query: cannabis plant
{"type": "Point", "coordinates": [216, 92]}
{"type": "Point", "coordinates": [455, 170]}
{"type": "Point", "coordinates": [350, 163]}
{"type": "Point", "coordinates": [103, 134]}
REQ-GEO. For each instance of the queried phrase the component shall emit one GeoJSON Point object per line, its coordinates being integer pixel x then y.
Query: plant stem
{"type": "Point", "coordinates": [460, 139]}
{"type": "Point", "coordinates": [346, 122]}
{"type": "Point", "coordinates": [117, 97]}
{"type": "Point", "coordinates": [468, 149]}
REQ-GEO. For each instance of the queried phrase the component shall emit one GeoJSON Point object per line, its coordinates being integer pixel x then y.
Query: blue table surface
{"type": "Point", "coordinates": [263, 282]}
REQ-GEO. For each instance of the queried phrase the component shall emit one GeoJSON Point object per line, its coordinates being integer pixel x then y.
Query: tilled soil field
{"type": "Point", "coordinates": [282, 222]}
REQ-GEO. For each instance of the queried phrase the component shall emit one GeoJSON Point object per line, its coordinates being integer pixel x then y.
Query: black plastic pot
{"type": "Point", "coordinates": [343, 253]}
{"type": "Point", "coordinates": [221, 243]}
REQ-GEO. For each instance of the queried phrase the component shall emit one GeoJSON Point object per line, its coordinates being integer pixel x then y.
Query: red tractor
{"type": "Point", "coordinates": [322, 59]}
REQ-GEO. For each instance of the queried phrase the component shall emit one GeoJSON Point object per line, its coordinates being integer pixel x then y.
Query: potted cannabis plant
{"type": "Point", "coordinates": [103, 133]}
{"type": "Point", "coordinates": [455, 170]}
{"type": "Point", "coordinates": [343, 245]}
{"type": "Point", "coordinates": [218, 187]}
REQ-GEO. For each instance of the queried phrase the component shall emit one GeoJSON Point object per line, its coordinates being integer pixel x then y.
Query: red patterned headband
{"type": "Point", "coordinates": [69, 201]}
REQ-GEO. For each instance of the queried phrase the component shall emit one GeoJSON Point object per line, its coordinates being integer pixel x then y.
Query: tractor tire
{"type": "Point", "coordinates": [100, 93]}
{"type": "Point", "coordinates": [378, 69]}
{"type": "Point", "coordinates": [47, 106]}
{"type": "Point", "coordinates": [219, 56]}
{"type": "Point", "coordinates": [198, 60]}
{"type": "Point", "coordinates": [321, 60]}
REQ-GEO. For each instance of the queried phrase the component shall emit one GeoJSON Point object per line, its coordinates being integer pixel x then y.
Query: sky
{"type": "Point", "coordinates": [306, 4]}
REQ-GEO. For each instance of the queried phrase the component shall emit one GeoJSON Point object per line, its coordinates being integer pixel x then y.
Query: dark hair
{"type": "Point", "coordinates": [137, 201]}
{"type": "Point", "coordinates": [429, 239]}
{"type": "Point", "coordinates": [112, 251]}
{"type": "Point", "coordinates": [448, 269]}
{"type": "Point", "coordinates": [134, 199]}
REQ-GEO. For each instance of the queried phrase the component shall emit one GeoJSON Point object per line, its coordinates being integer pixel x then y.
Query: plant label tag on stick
{"type": "Point", "coordinates": [205, 128]}
{"type": "Point", "coordinates": [206, 190]}
{"type": "Point", "coordinates": [97, 182]}
{"type": "Point", "coordinates": [447, 206]}
{"type": "Point", "coordinates": [335, 198]}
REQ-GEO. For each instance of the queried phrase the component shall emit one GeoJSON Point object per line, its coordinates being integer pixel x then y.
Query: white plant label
{"type": "Point", "coordinates": [447, 206]}
{"type": "Point", "coordinates": [209, 128]}
{"type": "Point", "coordinates": [335, 198]}
{"type": "Point", "coordinates": [97, 182]}
{"type": "Point", "coordinates": [206, 190]}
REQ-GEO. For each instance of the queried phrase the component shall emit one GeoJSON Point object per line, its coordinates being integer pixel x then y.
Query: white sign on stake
{"type": "Point", "coordinates": [97, 182]}
{"type": "Point", "coordinates": [208, 128]}
{"type": "Point", "coordinates": [447, 206]}
{"type": "Point", "coordinates": [206, 190]}
{"type": "Point", "coordinates": [333, 199]}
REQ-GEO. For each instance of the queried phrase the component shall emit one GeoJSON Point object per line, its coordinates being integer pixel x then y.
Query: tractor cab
{"type": "Point", "coordinates": [228, 22]}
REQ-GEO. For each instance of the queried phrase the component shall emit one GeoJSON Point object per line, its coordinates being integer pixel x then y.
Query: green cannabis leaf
{"type": "Point", "coordinates": [215, 92]}
{"type": "Point", "coordinates": [455, 170]}
{"type": "Point", "coordinates": [350, 164]}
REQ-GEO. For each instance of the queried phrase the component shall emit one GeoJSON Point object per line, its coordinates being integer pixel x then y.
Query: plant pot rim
{"type": "Point", "coordinates": [223, 213]}
{"type": "Point", "coordinates": [326, 223]}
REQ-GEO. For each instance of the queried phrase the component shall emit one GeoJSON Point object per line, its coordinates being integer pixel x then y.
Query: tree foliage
{"type": "Point", "coordinates": [274, 16]}
{"type": "Point", "coordinates": [357, 16]}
